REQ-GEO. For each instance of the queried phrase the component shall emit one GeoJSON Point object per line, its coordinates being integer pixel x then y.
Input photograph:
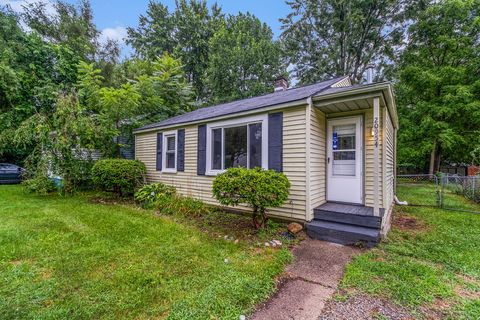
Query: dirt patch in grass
{"type": "Point", "coordinates": [364, 307]}
{"type": "Point", "coordinates": [438, 309]}
{"type": "Point", "coordinates": [238, 227]}
{"type": "Point", "coordinates": [109, 199]}
{"type": "Point", "coordinates": [16, 262]}
{"type": "Point", "coordinates": [407, 223]}
{"type": "Point", "coordinates": [467, 293]}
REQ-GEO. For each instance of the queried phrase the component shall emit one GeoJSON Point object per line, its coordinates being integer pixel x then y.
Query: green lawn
{"type": "Point", "coordinates": [66, 257]}
{"type": "Point", "coordinates": [431, 259]}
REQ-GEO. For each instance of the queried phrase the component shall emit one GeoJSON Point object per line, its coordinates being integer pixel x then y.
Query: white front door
{"type": "Point", "coordinates": [345, 160]}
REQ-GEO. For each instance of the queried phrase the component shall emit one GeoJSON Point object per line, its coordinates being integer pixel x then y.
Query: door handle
{"type": "Point", "coordinates": [328, 160]}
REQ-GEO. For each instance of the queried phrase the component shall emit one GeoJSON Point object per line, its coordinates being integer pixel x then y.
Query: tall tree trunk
{"type": "Point", "coordinates": [439, 160]}
{"type": "Point", "coordinates": [431, 169]}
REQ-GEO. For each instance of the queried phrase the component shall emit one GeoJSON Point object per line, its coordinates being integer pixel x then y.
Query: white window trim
{"type": "Point", "coordinates": [263, 119]}
{"type": "Point", "coordinates": [164, 151]}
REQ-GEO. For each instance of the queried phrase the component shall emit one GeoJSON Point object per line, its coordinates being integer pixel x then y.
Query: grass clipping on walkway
{"type": "Point", "coordinates": [430, 262]}
{"type": "Point", "coordinates": [66, 257]}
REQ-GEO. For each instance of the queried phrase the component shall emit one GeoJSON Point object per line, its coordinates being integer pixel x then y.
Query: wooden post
{"type": "Point", "coordinates": [376, 162]}
{"type": "Point", "coordinates": [308, 121]}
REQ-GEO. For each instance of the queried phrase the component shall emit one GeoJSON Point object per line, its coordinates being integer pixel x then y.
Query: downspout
{"type": "Point", "coordinates": [397, 202]}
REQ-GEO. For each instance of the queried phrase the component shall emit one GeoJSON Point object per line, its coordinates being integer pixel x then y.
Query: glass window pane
{"type": "Point", "coordinates": [235, 147]}
{"type": "Point", "coordinates": [343, 155]}
{"type": "Point", "coordinates": [343, 163]}
{"type": "Point", "coordinates": [344, 169]}
{"type": "Point", "coordinates": [217, 149]}
{"type": "Point", "coordinates": [345, 136]}
{"type": "Point", "coordinates": [255, 145]}
{"type": "Point", "coordinates": [170, 160]}
{"type": "Point", "coordinates": [171, 143]}
{"type": "Point", "coordinates": [346, 142]}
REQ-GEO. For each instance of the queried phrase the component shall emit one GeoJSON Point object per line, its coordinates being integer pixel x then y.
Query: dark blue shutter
{"type": "Point", "coordinates": [159, 151]}
{"type": "Point", "coordinates": [202, 150]}
{"type": "Point", "coordinates": [275, 141]}
{"type": "Point", "coordinates": [181, 150]}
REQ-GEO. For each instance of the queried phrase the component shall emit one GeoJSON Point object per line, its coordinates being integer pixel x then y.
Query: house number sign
{"type": "Point", "coordinates": [375, 131]}
{"type": "Point", "coordinates": [335, 141]}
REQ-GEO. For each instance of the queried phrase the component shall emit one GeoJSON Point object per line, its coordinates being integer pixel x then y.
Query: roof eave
{"type": "Point", "coordinates": [382, 88]}
{"type": "Point", "coordinates": [227, 116]}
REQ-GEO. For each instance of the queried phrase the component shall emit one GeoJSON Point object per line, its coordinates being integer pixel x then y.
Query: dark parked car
{"type": "Point", "coordinates": [10, 173]}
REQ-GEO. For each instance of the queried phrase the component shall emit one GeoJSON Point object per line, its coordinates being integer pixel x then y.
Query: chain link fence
{"type": "Point", "coordinates": [446, 191]}
{"type": "Point", "coordinates": [460, 192]}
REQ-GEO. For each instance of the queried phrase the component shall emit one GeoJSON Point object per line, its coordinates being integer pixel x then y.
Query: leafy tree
{"type": "Point", "coordinates": [439, 86]}
{"type": "Point", "coordinates": [118, 106]}
{"type": "Point", "coordinates": [244, 60]}
{"type": "Point", "coordinates": [328, 38]}
{"type": "Point", "coordinates": [70, 25]}
{"type": "Point", "coordinates": [185, 33]}
{"type": "Point", "coordinates": [32, 72]}
{"type": "Point", "coordinates": [61, 141]}
{"type": "Point", "coordinates": [164, 90]}
{"type": "Point", "coordinates": [150, 91]}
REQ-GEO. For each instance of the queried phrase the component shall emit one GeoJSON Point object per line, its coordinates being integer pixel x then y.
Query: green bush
{"type": "Point", "coordinates": [118, 175]}
{"type": "Point", "coordinates": [258, 188]}
{"type": "Point", "coordinates": [150, 193]}
{"type": "Point", "coordinates": [39, 184]}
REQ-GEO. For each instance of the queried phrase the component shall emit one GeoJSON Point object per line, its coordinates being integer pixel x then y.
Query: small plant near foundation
{"type": "Point", "coordinates": [151, 193]}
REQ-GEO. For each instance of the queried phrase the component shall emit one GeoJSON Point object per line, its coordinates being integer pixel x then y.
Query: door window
{"type": "Point", "coordinates": [344, 152]}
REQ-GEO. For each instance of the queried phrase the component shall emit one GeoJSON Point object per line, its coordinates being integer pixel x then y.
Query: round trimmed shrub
{"type": "Point", "coordinates": [257, 188]}
{"type": "Point", "coordinates": [118, 175]}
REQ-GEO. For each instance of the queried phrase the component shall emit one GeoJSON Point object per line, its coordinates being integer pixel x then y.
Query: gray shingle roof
{"type": "Point", "coordinates": [259, 102]}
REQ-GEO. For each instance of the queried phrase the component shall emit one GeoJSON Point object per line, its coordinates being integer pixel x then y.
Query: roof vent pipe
{"type": "Point", "coordinates": [281, 84]}
{"type": "Point", "coordinates": [370, 69]}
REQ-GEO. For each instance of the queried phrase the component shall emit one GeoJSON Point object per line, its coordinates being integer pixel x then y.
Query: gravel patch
{"type": "Point", "coordinates": [363, 307]}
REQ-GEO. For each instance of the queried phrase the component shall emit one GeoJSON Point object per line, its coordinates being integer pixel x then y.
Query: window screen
{"type": "Point", "coordinates": [344, 153]}
{"type": "Point", "coordinates": [170, 153]}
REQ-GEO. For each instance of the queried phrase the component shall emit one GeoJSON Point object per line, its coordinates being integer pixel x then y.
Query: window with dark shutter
{"type": "Point", "coordinates": [275, 141]}
{"type": "Point", "coordinates": [202, 150]}
{"type": "Point", "coordinates": [159, 151]}
{"type": "Point", "coordinates": [181, 150]}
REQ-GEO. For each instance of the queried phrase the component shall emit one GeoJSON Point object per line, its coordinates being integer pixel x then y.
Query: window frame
{"type": "Point", "coordinates": [263, 119]}
{"type": "Point", "coordinates": [165, 137]}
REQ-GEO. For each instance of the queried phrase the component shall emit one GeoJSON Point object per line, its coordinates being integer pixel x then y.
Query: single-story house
{"type": "Point", "coordinates": [336, 143]}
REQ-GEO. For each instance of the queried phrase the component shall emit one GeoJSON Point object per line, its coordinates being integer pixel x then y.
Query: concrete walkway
{"type": "Point", "coordinates": [310, 281]}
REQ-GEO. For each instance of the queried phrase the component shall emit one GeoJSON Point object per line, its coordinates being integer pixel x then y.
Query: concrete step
{"type": "Point", "coordinates": [348, 218]}
{"type": "Point", "coordinates": [343, 233]}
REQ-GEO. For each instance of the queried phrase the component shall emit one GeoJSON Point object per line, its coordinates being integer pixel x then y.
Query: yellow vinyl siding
{"type": "Point", "coordinates": [342, 83]}
{"type": "Point", "coordinates": [190, 184]}
{"type": "Point", "coordinates": [369, 155]}
{"type": "Point", "coordinates": [389, 164]}
{"type": "Point", "coordinates": [317, 159]}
